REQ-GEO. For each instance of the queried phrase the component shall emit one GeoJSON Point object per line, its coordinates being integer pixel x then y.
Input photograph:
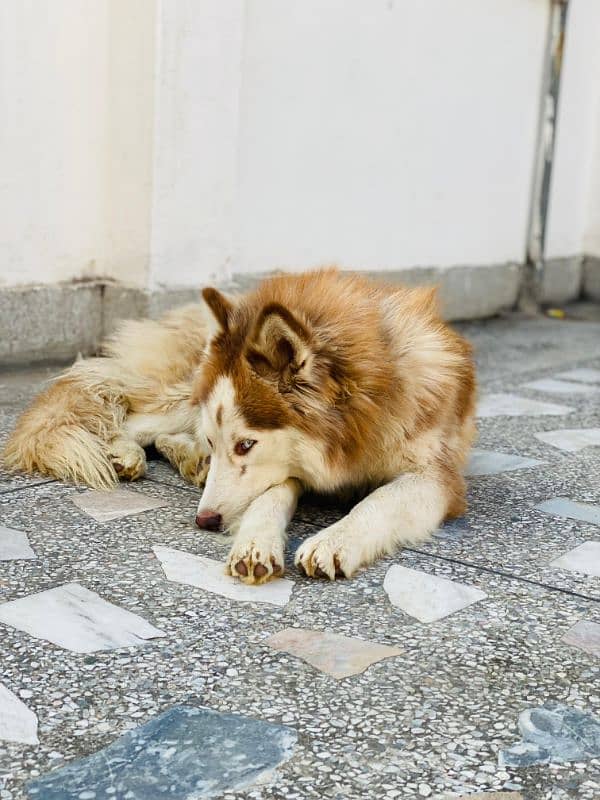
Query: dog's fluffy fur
{"type": "Point", "coordinates": [321, 380]}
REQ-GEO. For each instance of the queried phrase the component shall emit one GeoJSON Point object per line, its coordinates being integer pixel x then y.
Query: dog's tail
{"type": "Point", "coordinates": [65, 432]}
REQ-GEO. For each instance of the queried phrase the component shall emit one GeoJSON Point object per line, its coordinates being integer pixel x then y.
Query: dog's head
{"type": "Point", "coordinates": [255, 391]}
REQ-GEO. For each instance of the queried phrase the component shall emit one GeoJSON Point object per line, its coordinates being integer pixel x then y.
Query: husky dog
{"type": "Point", "coordinates": [323, 381]}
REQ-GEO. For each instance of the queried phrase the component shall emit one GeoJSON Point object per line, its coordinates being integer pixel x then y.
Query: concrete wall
{"type": "Point", "coordinates": [198, 81]}
{"type": "Point", "coordinates": [53, 139]}
{"type": "Point", "coordinates": [574, 211]}
{"type": "Point", "coordinates": [181, 142]}
{"type": "Point", "coordinates": [385, 134]}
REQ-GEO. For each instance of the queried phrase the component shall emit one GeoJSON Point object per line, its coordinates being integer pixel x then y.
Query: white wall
{"type": "Point", "coordinates": [76, 139]}
{"type": "Point", "coordinates": [127, 202]}
{"type": "Point", "coordinates": [174, 142]}
{"type": "Point", "coordinates": [196, 132]}
{"type": "Point", "coordinates": [574, 211]}
{"type": "Point", "coordinates": [53, 72]}
{"type": "Point", "coordinates": [591, 237]}
{"type": "Point", "coordinates": [386, 134]}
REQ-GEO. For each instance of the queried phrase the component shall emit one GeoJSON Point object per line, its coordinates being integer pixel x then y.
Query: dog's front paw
{"type": "Point", "coordinates": [326, 555]}
{"type": "Point", "coordinates": [255, 560]}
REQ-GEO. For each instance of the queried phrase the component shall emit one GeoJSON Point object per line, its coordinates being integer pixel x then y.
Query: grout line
{"type": "Point", "coordinates": [28, 486]}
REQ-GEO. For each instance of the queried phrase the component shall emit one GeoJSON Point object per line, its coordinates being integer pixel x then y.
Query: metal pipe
{"type": "Point", "coordinates": [544, 157]}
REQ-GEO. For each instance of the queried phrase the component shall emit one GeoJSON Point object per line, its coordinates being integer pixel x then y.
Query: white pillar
{"type": "Point", "coordinates": [198, 79]}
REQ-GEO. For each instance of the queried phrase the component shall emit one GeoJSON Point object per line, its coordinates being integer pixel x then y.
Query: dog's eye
{"type": "Point", "coordinates": [210, 444]}
{"type": "Point", "coordinates": [244, 446]}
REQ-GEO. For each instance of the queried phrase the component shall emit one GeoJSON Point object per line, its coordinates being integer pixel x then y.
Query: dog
{"type": "Point", "coordinates": [321, 381]}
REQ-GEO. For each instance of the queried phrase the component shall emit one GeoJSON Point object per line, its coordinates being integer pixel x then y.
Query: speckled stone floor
{"type": "Point", "coordinates": [431, 721]}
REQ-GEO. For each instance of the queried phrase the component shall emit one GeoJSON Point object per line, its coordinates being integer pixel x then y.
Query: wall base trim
{"type": "Point", "coordinates": [32, 329]}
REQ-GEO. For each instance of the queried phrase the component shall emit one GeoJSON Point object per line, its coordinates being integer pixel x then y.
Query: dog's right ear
{"type": "Point", "coordinates": [218, 311]}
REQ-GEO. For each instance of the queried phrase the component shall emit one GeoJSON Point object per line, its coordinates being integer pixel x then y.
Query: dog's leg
{"type": "Point", "coordinates": [128, 458]}
{"type": "Point", "coordinates": [257, 554]}
{"type": "Point", "coordinates": [404, 511]}
{"type": "Point", "coordinates": [186, 455]}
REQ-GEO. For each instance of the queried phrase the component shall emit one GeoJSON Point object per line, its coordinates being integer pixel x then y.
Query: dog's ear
{"type": "Point", "coordinates": [280, 343]}
{"type": "Point", "coordinates": [218, 311]}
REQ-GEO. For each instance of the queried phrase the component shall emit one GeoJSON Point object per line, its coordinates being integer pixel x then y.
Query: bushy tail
{"type": "Point", "coordinates": [65, 434]}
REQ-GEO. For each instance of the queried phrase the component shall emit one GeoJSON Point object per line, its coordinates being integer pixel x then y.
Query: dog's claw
{"type": "Point", "coordinates": [339, 572]}
{"type": "Point", "coordinates": [325, 556]}
{"type": "Point", "coordinates": [277, 568]}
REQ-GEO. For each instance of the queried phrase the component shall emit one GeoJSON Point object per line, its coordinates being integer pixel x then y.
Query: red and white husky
{"type": "Point", "coordinates": [322, 380]}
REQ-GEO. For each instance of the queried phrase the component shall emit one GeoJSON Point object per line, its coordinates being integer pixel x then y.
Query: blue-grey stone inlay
{"type": "Point", "coordinates": [454, 530]}
{"type": "Point", "coordinates": [553, 732]}
{"type": "Point", "coordinates": [563, 507]}
{"type": "Point", "coordinates": [487, 462]}
{"type": "Point", "coordinates": [184, 754]}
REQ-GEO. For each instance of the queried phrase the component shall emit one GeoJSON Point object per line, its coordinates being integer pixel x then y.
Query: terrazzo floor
{"type": "Point", "coordinates": [132, 669]}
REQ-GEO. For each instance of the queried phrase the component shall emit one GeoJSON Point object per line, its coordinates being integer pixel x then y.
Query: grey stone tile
{"type": "Point", "coordinates": [186, 753]}
{"type": "Point", "coordinates": [208, 574]}
{"type": "Point", "coordinates": [488, 462]}
{"type": "Point", "coordinates": [338, 656]}
{"type": "Point", "coordinates": [428, 598]}
{"type": "Point", "coordinates": [17, 722]}
{"type": "Point", "coordinates": [585, 635]}
{"type": "Point", "coordinates": [553, 733]}
{"type": "Point", "coordinates": [563, 507]}
{"type": "Point", "coordinates": [571, 439]}
{"type": "Point", "coordinates": [585, 559]}
{"type": "Point", "coordinates": [72, 617]}
{"type": "Point", "coordinates": [14, 545]}
{"type": "Point", "coordinates": [511, 405]}
{"type": "Point", "coordinates": [563, 387]}
{"type": "Point", "coordinates": [107, 506]}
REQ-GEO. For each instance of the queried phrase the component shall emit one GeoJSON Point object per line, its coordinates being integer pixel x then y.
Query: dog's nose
{"type": "Point", "coordinates": [209, 521]}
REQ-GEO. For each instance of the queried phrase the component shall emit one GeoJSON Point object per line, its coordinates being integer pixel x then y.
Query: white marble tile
{"type": "Point", "coordinates": [511, 405]}
{"type": "Point", "coordinates": [208, 574]}
{"type": "Point", "coordinates": [427, 597]}
{"type": "Point", "coordinates": [72, 617]}
{"type": "Point", "coordinates": [338, 656]}
{"type": "Point", "coordinates": [584, 559]}
{"type": "Point", "coordinates": [571, 439]}
{"type": "Point", "coordinates": [17, 722]}
{"type": "Point", "coordinates": [563, 507]}
{"type": "Point", "coordinates": [14, 545]}
{"type": "Point", "coordinates": [554, 386]}
{"type": "Point", "coordinates": [106, 506]}
{"type": "Point", "coordinates": [488, 462]}
{"type": "Point", "coordinates": [583, 374]}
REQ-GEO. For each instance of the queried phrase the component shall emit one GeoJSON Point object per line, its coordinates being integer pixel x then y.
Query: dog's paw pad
{"type": "Point", "coordinates": [252, 567]}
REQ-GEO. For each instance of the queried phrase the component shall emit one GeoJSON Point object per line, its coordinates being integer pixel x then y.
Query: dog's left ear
{"type": "Point", "coordinates": [218, 311]}
{"type": "Point", "coordinates": [280, 343]}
